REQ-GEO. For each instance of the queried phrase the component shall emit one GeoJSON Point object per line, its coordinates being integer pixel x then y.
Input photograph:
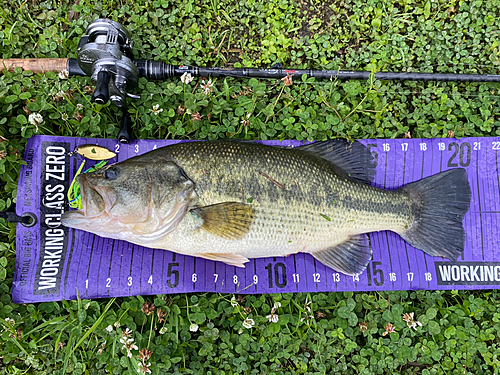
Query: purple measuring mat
{"type": "Point", "coordinates": [54, 262]}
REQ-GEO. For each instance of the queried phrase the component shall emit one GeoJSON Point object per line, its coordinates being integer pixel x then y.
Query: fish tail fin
{"type": "Point", "coordinates": [439, 205]}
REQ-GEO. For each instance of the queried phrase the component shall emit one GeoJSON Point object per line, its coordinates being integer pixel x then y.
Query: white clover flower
{"type": "Point", "coordinates": [240, 331]}
{"type": "Point", "coordinates": [10, 321]}
{"type": "Point", "coordinates": [156, 109]}
{"type": "Point", "coordinates": [79, 106]}
{"type": "Point", "coordinates": [306, 305]}
{"type": "Point", "coordinates": [194, 327]}
{"type": "Point", "coordinates": [109, 328]}
{"type": "Point", "coordinates": [186, 78]}
{"type": "Point", "coordinates": [207, 86]}
{"type": "Point", "coordinates": [415, 324]}
{"type": "Point", "coordinates": [128, 345]}
{"type": "Point", "coordinates": [35, 119]}
{"type": "Point", "coordinates": [277, 305]}
{"type": "Point", "coordinates": [144, 368]}
{"type": "Point", "coordinates": [64, 74]}
{"type": "Point", "coordinates": [64, 117]}
{"type": "Point", "coordinates": [163, 330]}
{"type": "Point", "coordinates": [126, 333]}
{"type": "Point", "coordinates": [410, 321]}
{"type": "Point", "coordinates": [248, 323]}
{"type": "Point", "coordinates": [117, 324]}
{"type": "Point", "coordinates": [129, 353]}
{"type": "Point", "coordinates": [101, 349]}
{"type": "Point", "coordinates": [273, 318]}
{"type": "Point", "coordinates": [234, 303]}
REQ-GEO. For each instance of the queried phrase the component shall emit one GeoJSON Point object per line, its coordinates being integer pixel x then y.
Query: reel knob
{"type": "Point", "coordinates": [101, 93]}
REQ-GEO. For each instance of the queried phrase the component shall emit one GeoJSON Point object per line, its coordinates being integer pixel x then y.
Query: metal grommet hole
{"type": "Point", "coordinates": [32, 220]}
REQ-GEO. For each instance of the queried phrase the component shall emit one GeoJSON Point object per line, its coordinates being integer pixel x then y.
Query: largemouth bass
{"type": "Point", "coordinates": [231, 201]}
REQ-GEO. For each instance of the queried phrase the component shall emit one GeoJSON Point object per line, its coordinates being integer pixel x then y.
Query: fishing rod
{"type": "Point", "coordinates": [105, 54]}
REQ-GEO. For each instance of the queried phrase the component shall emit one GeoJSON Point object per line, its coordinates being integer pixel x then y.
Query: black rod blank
{"type": "Point", "coordinates": [159, 70]}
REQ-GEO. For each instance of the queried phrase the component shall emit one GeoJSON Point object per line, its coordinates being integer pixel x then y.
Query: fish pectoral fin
{"type": "Point", "coordinates": [350, 257]}
{"type": "Point", "coordinates": [229, 220]}
{"type": "Point", "coordinates": [231, 259]}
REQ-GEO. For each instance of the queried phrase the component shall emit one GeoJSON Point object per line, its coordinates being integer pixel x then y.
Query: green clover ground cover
{"type": "Point", "coordinates": [415, 332]}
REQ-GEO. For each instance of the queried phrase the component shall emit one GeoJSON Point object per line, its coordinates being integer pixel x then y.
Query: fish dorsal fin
{"type": "Point", "coordinates": [229, 220]}
{"type": "Point", "coordinates": [352, 159]}
{"type": "Point", "coordinates": [350, 257]}
{"type": "Point", "coordinates": [231, 259]}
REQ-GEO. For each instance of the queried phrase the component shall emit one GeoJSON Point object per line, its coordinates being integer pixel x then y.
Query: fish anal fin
{"type": "Point", "coordinates": [229, 220]}
{"type": "Point", "coordinates": [231, 259]}
{"type": "Point", "coordinates": [350, 257]}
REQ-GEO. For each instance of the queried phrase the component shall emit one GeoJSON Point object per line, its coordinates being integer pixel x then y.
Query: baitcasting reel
{"type": "Point", "coordinates": [105, 55]}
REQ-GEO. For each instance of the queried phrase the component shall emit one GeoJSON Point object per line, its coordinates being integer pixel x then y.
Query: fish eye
{"type": "Point", "coordinates": [111, 174]}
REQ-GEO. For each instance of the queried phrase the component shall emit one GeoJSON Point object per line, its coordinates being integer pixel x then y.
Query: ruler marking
{"type": "Point", "coordinates": [152, 270]}
{"type": "Point", "coordinates": [390, 248]}
{"type": "Point", "coordinates": [489, 229]}
{"type": "Point", "coordinates": [111, 258]}
{"type": "Point", "coordinates": [194, 273]}
{"type": "Point", "coordinates": [407, 279]}
{"type": "Point", "coordinates": [245, 278]}
{"type": "Point", "coordinates": [238, 280]}
{"type": "Point", "coordinates": [415, 253]}
{"type": "Point", "coordinates": [116, 261]}
{"type": "Point", "coordinates": [100, 252]}
{"type": "Point", "coordinates": [295, 272]}
{"type": "Point", "coordinates": [136, 273]}
{"type": "Point", "coordinates": [255, 286]}
{"type": "Point", "coordinates": [479, 185]}
{"type": "Point", "coordinates": [421, 177]}
{"type": "Point", "coordinates": [85, 239]}
{"type": "Point", "coordinates": [88, 267]}
{"type": "Point", "coordinates": [68, 264]}
{"type": "Point", "coordinates": [162, 280]}
{"type": "Point", "coordinates": [174, 288]}
{"type": "Point", "coordinates": [130, 269]}
{"type": "Point", "coordinates": [215, 273]}
{"type": "Point", "coordinates": [305, 271]}
{"type": "Point", "coordinates": [316, 274]}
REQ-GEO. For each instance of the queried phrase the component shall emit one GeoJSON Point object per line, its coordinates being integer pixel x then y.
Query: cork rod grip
{"type": "Point", "coordinates": [35, 65]}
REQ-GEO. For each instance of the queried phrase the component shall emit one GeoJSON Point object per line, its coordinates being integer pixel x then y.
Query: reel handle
{"type": "Point", "coordinates": [124, 133]}
{"type": "Point", "coordinates": [101, 93]}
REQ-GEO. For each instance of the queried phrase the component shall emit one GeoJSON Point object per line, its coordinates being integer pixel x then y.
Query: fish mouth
{"type": "Point", "coordinates": [95, 200]}
{"type": "Point", "coordinates": [95, 205]}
